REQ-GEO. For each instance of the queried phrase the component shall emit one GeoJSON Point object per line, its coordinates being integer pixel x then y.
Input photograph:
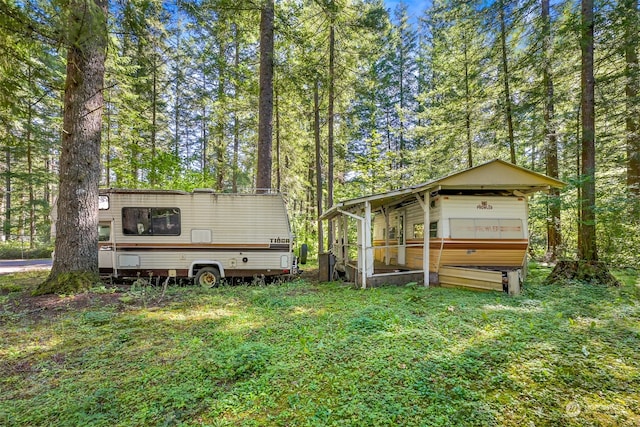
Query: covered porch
{"type": "Point", "coordinates": [368, 264]}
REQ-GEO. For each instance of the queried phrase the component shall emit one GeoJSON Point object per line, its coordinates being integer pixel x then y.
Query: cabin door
{"type": "Point", "coordinates": [106, 252]}
{"type": "Point", "coordinates": [402, 248]}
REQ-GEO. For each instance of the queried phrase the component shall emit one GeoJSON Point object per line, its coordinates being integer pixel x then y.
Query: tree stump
{"type": "Point", "coordinates": [590, 272]}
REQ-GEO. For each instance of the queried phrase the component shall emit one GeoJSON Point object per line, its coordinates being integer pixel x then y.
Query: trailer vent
{"type": "Point", "coordinates": [200, 236]}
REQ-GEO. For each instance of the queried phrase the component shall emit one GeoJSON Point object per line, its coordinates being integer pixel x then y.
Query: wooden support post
{"type": "Point", "coordinates": [514, 282]}
{"type": "Point", "coordinates": [424, 203]}
{"type": "Point", "coordinates": [387, 252]}
{"type": "Point", "coordinates": [368, 245]}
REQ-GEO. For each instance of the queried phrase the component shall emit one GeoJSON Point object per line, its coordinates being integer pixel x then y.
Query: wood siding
{"type": "Point", "coordinates": [471, 278]}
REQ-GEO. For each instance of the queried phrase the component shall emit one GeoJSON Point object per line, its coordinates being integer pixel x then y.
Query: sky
{"type": "Point", "coordinates": [415, 7]}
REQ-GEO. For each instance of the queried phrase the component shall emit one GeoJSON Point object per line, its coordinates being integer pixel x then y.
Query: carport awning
{"type": "Point", "coordinates": [495, 175]}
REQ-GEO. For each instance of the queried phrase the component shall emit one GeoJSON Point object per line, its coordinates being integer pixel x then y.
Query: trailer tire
{"type": "Point", "coordinates": [207, 277]}
{"type": "Point", "coordinates": [304, 251]}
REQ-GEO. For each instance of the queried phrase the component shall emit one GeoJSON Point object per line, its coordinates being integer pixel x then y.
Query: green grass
{"type": "Point", "coordinates": [311, 354]}
{"type": "Point", "coordinates": [20, 250]}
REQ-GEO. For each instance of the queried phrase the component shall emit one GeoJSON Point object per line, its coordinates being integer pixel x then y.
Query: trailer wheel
{"type": "Point", "coordinates": [208, 277]}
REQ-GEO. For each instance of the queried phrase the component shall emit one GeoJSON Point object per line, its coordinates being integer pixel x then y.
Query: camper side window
{"type": "Point", "coordinates": [165, 221]}
{"type": "Point", "coordinates": [103, 203]}
{"type": "Point", "coordinates": [151, 221]}
{"type": "Point", "coordinates": [433, 229]}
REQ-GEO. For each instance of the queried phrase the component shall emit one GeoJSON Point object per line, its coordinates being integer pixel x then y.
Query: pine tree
{"type": "Point", "coordinates": [265, 125]}
{"type": "Point", "coordinates": [76, 263]}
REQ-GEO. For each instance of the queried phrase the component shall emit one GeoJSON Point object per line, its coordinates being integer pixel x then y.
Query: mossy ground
{"type": "Point", "coordinates": [304, 353]}
{"type": "Point", "coordinates": [67, 283]}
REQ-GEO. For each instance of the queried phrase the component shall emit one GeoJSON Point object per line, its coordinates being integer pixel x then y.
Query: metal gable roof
{"type": "Point", "coordinates": [493, 175]}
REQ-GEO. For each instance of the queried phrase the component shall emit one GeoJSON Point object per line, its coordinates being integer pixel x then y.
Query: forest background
{"type": "Point", "coordinates": [366, 99]}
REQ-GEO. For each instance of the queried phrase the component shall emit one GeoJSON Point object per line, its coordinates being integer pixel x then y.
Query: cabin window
{"type": "Point", "coordinates": [392, 233]}
{"type": "Point", "coordinates": [476, 228]}
{"type": "Point", "coordinates": [433, 229]}
{"type": "Point", "coordinates": [103, 203]}
{"type": "Point", "coordinates": [151, 221]}
{"type": "Point", "coordinates": [418, 231]}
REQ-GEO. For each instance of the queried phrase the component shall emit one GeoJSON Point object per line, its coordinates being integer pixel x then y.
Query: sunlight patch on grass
{"type": "Point", "coordinates": [192, 315]}
{"type": "Point", "coordinates": [514, 309]}
{"type": "Point", "coordinates": [585, 323]}
{"type": "Point", "coordinates": [305, 311]}
{"type": "Point", "coordinates": [22, 347]}
{"type": "Point", "coordinates": [604, 410]}
{"type": "Point", "coordinates": [620, 369]}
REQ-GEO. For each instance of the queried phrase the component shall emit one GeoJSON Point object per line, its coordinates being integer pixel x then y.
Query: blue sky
{"type": "Point", "coordinates": [415, 7]}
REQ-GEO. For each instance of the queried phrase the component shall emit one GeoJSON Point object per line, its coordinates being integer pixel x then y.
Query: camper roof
{"type": "Point", "coordinates": [139, 191]}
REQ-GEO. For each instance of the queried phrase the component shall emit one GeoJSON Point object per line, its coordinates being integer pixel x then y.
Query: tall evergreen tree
{"type": "Point", "coordinates": [76, 263]}
{"type": "Point", "coordinates": [265, 125]}
{"type": "Point", "coordinates": [587, 249]}
{"type": "Point", "coordinates": [631, 22]}
{"type": "Point", "coordinates": [554, 236]}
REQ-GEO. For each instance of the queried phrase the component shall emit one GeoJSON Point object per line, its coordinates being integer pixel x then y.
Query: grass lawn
{"type": "Point", "coordinates": [304, 353]}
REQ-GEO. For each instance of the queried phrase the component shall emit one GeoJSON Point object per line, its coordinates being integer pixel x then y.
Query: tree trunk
{"type": "Point", "coordinates": [467, 103]}
{"type": "Point", "coordinates": [330, 124]}
{"type": "Point", "coordinates": [401, 77]}
{"type": "Point", "coordinates": [28, 135]}
{"type": "Point", "coordinates": [236, 121]}
{"type": "Point", "coordinates": [587, 250]}
{"type": "Point", "coordinates": [265, 116]}
{"type": "Point", "coordinates": [107, 157]}
{"type": "Point", "coordinates": [75, 265]}
{"type": "Point", "coordinates": [221, 114]}
{"type": "Point", "coordinates": [554, 236]}
{"type": "Point", "coordinates": [178, 95]}
{"type": "Point", "coordinates": [507, 91]}
{"type": "Point", "coordinates": [278, 154]}
{"type": "Point", "coordinates": [153, 175]}
{"type": "Point", "coordinates": [316, 133]}
{"type": "Point", "coordinates": [204, 155]}
{"type": "Point", "coordinates": [6, 224]}
{"type": "Point", "coordinates": [632, 74]}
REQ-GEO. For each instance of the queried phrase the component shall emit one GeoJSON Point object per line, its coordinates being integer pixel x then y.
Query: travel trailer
{"type": "Point", "coordinates": [478, 237]}
{"type": "Point", "coordinates": [464, 230]}
{"type": "Point", "coordinates": [203, 235]}
{"type": "Point", "coordinates": [468, 229]}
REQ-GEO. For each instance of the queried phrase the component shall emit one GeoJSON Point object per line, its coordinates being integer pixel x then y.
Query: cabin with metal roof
{"type": "Point", "coordinates": [467, 229]}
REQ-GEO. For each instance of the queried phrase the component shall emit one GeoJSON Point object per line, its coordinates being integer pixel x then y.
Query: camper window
{"type": "Point", "coordinates": [151, 221]}
{"type": "Point", "coordinates": [104, 232]}
{"type": "Point", "coordinates": [103, 203]}
{"type": "Point", "coordinates": [433, 229]}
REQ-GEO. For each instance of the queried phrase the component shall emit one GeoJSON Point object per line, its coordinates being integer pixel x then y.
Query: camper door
{"type": "Point", "coordinates": [106, 249]}
{"type": "Point", "coordinates": [402, 248]}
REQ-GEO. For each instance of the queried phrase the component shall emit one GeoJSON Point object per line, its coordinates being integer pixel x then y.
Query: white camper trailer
{"type": "Point", "coordinates": [467, 229]}
{"type": "Point", "coordinates": [201, 235]}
